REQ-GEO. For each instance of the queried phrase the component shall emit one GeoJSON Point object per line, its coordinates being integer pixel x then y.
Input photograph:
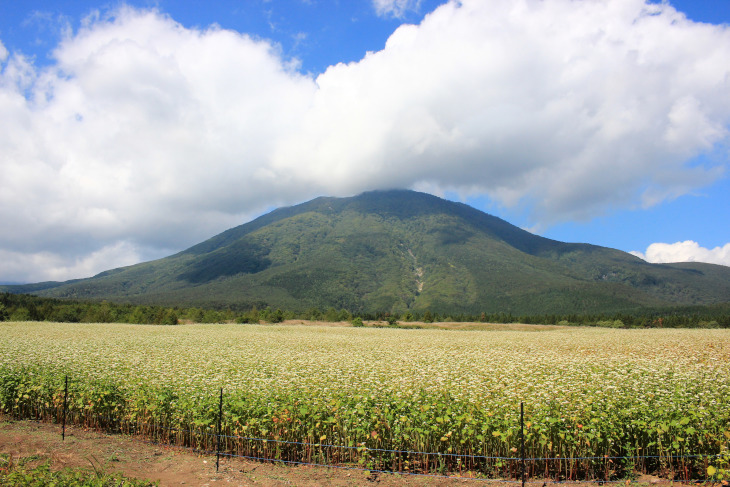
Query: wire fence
{"type": "Point", "coordinates": [519, 468]}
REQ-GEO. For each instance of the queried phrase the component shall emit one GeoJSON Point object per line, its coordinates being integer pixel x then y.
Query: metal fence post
{"type": "Point", "coordinates": [522, 440]}
{"type": "Point", "coordinates": [65, 402]}
{"type": "Point", "coordinates": [218, 436]}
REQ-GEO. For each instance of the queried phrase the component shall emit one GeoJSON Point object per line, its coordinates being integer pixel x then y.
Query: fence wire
{"type": "Point", "coordinates": [188, 438]}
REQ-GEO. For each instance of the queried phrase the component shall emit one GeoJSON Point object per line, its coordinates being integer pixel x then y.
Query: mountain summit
{"type": "Point", "coordinates": [396, 251]}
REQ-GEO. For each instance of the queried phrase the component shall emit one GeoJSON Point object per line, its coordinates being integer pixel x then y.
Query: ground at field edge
{"type": "Point", "coordinates": [41, 442]}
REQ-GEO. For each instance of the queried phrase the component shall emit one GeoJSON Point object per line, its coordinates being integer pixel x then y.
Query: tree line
{"type": "Point", "coordinates": [24, 307]}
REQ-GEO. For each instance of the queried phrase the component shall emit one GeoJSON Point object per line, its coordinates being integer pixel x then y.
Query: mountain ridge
{"type": "Point", "coordinates": [399, 250]}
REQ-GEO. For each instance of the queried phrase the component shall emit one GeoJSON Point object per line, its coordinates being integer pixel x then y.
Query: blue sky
{"type": "Point", "coordinates": [319, 33]}
{"type": "Point", "coordinates": [137, 129]}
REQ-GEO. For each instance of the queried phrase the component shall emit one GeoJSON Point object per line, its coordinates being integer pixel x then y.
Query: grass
{"type": "Point", "coordinates": [27, 471]}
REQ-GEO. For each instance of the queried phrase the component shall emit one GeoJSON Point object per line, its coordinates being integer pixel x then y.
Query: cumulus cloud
{"type": "Point", "coordinates": [146, 132]}
{"type": "Point", "coordinates": [687, 251]}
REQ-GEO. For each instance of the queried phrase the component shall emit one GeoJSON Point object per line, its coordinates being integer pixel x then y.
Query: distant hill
{"type": "Point", "coordinates": [397, 251]}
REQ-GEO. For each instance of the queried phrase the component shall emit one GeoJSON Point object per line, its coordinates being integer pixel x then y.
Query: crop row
{"type": "Point", "coordinates": [659, 397]}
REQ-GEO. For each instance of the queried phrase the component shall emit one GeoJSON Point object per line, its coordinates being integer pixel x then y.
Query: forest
{"type": "Point", "coordinates": [25, 307]}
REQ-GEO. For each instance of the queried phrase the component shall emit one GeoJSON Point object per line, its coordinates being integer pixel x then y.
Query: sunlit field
{"type": "Point", "coordinates": [653, 395]}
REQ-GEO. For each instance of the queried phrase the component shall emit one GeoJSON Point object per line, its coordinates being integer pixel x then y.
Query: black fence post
{"type": "Point", "coordinates": [65, 402]}
{"type": "Point", "coordinates": [218, 436]}
{"type": "Point", "coordinates": [522, 440]}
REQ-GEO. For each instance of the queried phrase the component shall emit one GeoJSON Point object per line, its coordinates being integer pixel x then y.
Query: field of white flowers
{"type": "Point", "coordinates": [654, 395]}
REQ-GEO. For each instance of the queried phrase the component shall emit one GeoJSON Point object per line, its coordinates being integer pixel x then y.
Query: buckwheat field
{"type": "Point", "coordinates": [409, 400]}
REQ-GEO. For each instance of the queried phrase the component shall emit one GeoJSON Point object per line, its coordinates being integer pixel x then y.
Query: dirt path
{"type": "Point", "coordinates": [178, 466]}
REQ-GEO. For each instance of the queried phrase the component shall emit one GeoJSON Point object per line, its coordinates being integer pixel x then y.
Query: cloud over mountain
{"type": "Point", "coordinates": [146, 136]}
{"type": "Point", "coordinates": [687, 251]}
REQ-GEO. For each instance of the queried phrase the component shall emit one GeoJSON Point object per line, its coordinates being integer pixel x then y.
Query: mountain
{"type": "Point", "coordinates": [394, 251]}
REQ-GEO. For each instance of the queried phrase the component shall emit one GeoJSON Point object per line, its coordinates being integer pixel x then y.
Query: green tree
{"type": "Point", "coordinates": [276, 316]}
{"type": "Point", "coordinates": [140, 315]}
{"type": "Point", "coordinates": [20, 314]}
{"type": "Point", "coordinates": [170, 318]}
{"type": "Point", "coordinates": [67, 314]}
{"type": "Point", "coordinates": [313, 314]}
{"type": "Point", "coordinates": [251, 316]}
{"type": "Point", "coordinates": [196, 315]}
{"type": "Point", "coordinates": [212, 316]}
{"type": "Point", "coordinates": [265, 314]}
{"type": "Point", "coordinates": [331, 315]}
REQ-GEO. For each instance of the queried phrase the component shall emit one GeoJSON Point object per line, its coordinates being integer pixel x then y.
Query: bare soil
{"type": "Point", "coordinates": [176, 466]}
{"type": "Point", "coordinates": [41, 442]}
{"type": "Point", "coordinates": [445, 325]}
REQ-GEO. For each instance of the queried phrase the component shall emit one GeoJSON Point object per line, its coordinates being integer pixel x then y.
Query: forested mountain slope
{"type": "Point", "coordinates": [394, 251]}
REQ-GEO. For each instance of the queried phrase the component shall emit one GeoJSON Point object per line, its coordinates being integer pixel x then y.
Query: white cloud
{"type": "Point", "coordinates": [395, 8]}
{"type": "Point", "coordinates": [143, 131]}
{"type": "Point", "coordinates": [150, 133]}
{"type": "Point", "coordinates": [50, 266]}
{"type": "Point", "coordinates": [687, 251]}
{"type": "Point", "coordinates": [578, 105]}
